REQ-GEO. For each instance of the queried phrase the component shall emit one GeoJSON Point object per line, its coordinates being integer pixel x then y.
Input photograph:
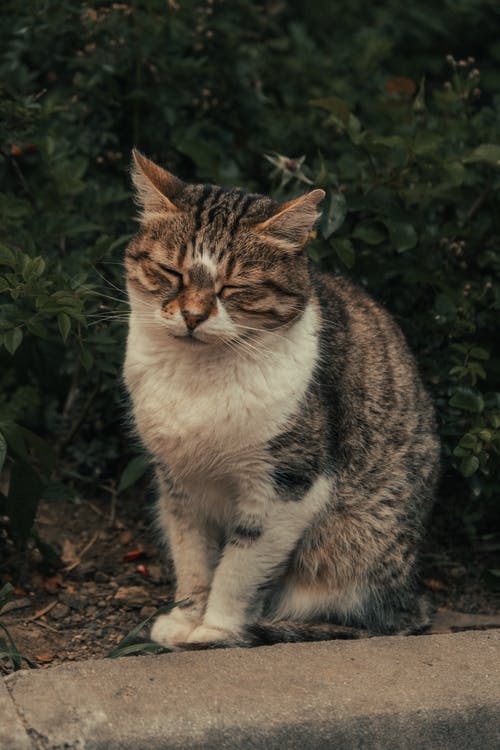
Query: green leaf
{"type": "Point", "coordinates": [25, 491]}
{"type": "Point", "coordinates": [469, 465]}
{"type": "Point", "coordinates": [479, 353]}
{"type": "Point", "coordinates": [403, 236]}
{"type": "Point", "coordinates": [487, 153]}
{"type": "Point", "coordinates": [469, 441]}
{"type": "Point", "coordinates": [370, 232]}
{"type": "Point", "coordinates": [64, 322]}
{"type": "Point", "coordinates": [466, 400]}
{"type": "Point", "coordinates": [333, 215]}
{"type": "Point", "coordinates": [132, 472]}
{"type": "Point", "coordinates": [486, 435]}
{"type": "Point", "coordinates": [419, 101]}
{"type": "Point", "coordinates": [86, 357]}
{"type": "Point", "coordinates": [12, 340]}
{"type": "Point", "coordinates": [455, 172]}
{"type": "Point", "coordinates": [3, 450]}
{"type": "Point", "coordinates": [7, 257]}
{"type": "Point", "coordinates": [148, 647]}
{"type": "Point", "coordinates": [335, 106]}
{"type": "Point", "coordinates": [14, 435]}
{"type": "Point", "coordinates": [6, 594]}
{"type": "Point", "coordinates": [41, 448]}
{"type": "Point", "coordinates": [461, 452]}
{"type": "Point", "coordinates": [127, 645]}
{"type": "Point", "coordinates": [11, 652]}
{"type": "Point", "coordinates": [444, 305]}
{"type": "Point", "coordinates": [345, 251]}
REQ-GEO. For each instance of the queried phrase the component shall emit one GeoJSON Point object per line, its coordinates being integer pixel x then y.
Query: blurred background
{"type": "Point", "coordinates": [393, 108]}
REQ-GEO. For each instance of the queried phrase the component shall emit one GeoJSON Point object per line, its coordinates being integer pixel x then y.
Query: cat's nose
{"type": "Point", "coordinates": [193, 319]}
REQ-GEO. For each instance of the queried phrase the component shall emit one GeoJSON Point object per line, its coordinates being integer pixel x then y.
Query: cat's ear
{"type": "Point", "coordinates": [156, 189]}
{"type": "Point", "coordinates": [290, 226]}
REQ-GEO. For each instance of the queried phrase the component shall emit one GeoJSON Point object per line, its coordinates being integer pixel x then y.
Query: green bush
{"type": "Point", "coordinates": [274, 97]}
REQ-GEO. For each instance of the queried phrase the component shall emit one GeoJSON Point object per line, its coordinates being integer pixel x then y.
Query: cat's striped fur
{"type": "Point", "coordinates": [293, 441]}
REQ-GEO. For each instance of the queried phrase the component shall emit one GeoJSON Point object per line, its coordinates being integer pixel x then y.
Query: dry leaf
{"type": "Point", "coordinates": [434, 585]}
{"type": "Point", "coordinates": [69, 554]}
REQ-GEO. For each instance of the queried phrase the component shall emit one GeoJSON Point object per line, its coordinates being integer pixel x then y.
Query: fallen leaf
{"type": "Point", "coordinates": [52, 584]}
{"type": "Point", "coordinates": [44, 658]}
{"type": "Point", "coordinates": [69, 554]}
{"type": "Point", "coordinates": [125, 537]}
{"type": "Point", "coordinates": [400, 85]}
{"type": "Point", "coordinates": [434, 585]}
{"type": "Point", "coordinates": [133, 555]}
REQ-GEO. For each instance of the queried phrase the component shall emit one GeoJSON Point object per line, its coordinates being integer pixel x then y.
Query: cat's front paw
{"type": "Point", "coordinates": [172, 629]}
{"type": "Point", "coordinates": [206, 634]}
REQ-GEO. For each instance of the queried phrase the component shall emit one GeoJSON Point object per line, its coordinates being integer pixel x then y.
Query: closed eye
{"type": "Point", "coordinates": [171, 271]}
{"type": "Point", "coordinates": [229, 289]}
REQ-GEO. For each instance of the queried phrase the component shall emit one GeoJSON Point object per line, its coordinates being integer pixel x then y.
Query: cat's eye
{"type": "Point", "coordinates": [227, 290]}
{"type": "Point", "coordinates": [172, 272]}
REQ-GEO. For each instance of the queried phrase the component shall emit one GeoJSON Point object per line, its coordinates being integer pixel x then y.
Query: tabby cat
{"type": "Point", "coordinates": [293, 442]}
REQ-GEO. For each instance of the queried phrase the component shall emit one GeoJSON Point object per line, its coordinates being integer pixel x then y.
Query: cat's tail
{"type": "Point", "coordinates": [291, 631]}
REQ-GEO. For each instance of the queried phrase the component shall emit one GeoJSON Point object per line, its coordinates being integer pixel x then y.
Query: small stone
{"type": "Point", "coordinates": [132, 597]}
{"type": "Point", "coordinates": [88, 569]}
{"type": "Point", "coordinates": [125, 537]}
{"type": "Point", "coordinates": [60, 611]}
{"type": "Point", "coordinates": [101, 577]}
{"type": "Point", "coordinates": [155, 573]}
{"type": "Point", "coordinates": [102, 603]}
{"type": "Point", "coordinates": [73, 601]}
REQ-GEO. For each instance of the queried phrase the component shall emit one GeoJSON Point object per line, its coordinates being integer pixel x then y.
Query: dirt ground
{"type": "Point", "coordinates": [112, 578]}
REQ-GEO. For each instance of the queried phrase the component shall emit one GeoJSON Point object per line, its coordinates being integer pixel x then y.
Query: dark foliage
{"type": "Point", "coordinates": [393, 109]}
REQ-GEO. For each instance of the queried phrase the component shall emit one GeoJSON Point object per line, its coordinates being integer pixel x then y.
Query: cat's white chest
{"type": "Point", "coordinates": [198, 414]}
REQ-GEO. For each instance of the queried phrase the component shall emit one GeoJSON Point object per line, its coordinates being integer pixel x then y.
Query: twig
{"type": "Point", "coordinates": [42, 612]}
{"type": "Point", "coordinates": [72, 391]}
{"type": "Point", "coordinates": [80, 419]}
{"type": "Point", "coordinates": [112, 509]}
{"type": "Point", "coordinates": [95, 509]}
{"type": "Point", "coordinates": [111, 488]}
{"type": "Point", "coordinates": [17, 169]}
{"type": "Point", "coordinates": [476, 206]}
{"type": "Point", "coordinates": [46, 626]}
{"type": "Point", "coordinates": [82, 553]}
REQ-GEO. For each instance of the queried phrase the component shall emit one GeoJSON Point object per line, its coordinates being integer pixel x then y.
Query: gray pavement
{"type": "Point", "coordinates": [436, 691]}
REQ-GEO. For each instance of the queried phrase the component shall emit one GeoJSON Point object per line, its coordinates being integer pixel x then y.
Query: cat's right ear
{"type": "Point", "coordinates": [156, 189]}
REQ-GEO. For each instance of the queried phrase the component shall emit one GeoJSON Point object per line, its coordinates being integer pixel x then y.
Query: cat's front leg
{"type": "Point", "coordinates": [193, 557]}
{"type": "Point", "coordinates": [255, 555]}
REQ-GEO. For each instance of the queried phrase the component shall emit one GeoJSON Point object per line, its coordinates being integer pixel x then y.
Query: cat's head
{"type": "Point", "coordinates": [212, 265]}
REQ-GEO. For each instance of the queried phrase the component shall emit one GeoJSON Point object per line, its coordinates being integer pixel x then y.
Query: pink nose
{"type": "Point", "coordinates": [193, 319]}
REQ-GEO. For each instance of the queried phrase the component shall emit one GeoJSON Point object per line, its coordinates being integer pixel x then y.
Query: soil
{"type": "Point", "coordinates": [111, 577]}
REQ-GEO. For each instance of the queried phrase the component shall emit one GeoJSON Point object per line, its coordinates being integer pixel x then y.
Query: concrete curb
{"type": "Point", "coordinates": [437, 691]}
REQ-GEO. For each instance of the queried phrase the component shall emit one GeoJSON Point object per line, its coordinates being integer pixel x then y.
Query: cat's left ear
{"type": "Point", "coordinates": [156, 189]}
{"type": "Point", "coordinates": [290, 226]}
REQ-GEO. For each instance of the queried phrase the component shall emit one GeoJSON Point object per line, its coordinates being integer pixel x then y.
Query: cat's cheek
{"type": "Point", "coordinates": [172, 629]}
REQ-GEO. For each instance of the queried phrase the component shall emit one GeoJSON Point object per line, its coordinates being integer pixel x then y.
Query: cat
{"type": "Point", "coordinates": [293, 442]}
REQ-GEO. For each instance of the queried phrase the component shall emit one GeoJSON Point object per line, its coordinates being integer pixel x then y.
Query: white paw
{"type": "Point", "coordinates": [171, 629]}
{"type": "Point", "coordinates": [206, 634]}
